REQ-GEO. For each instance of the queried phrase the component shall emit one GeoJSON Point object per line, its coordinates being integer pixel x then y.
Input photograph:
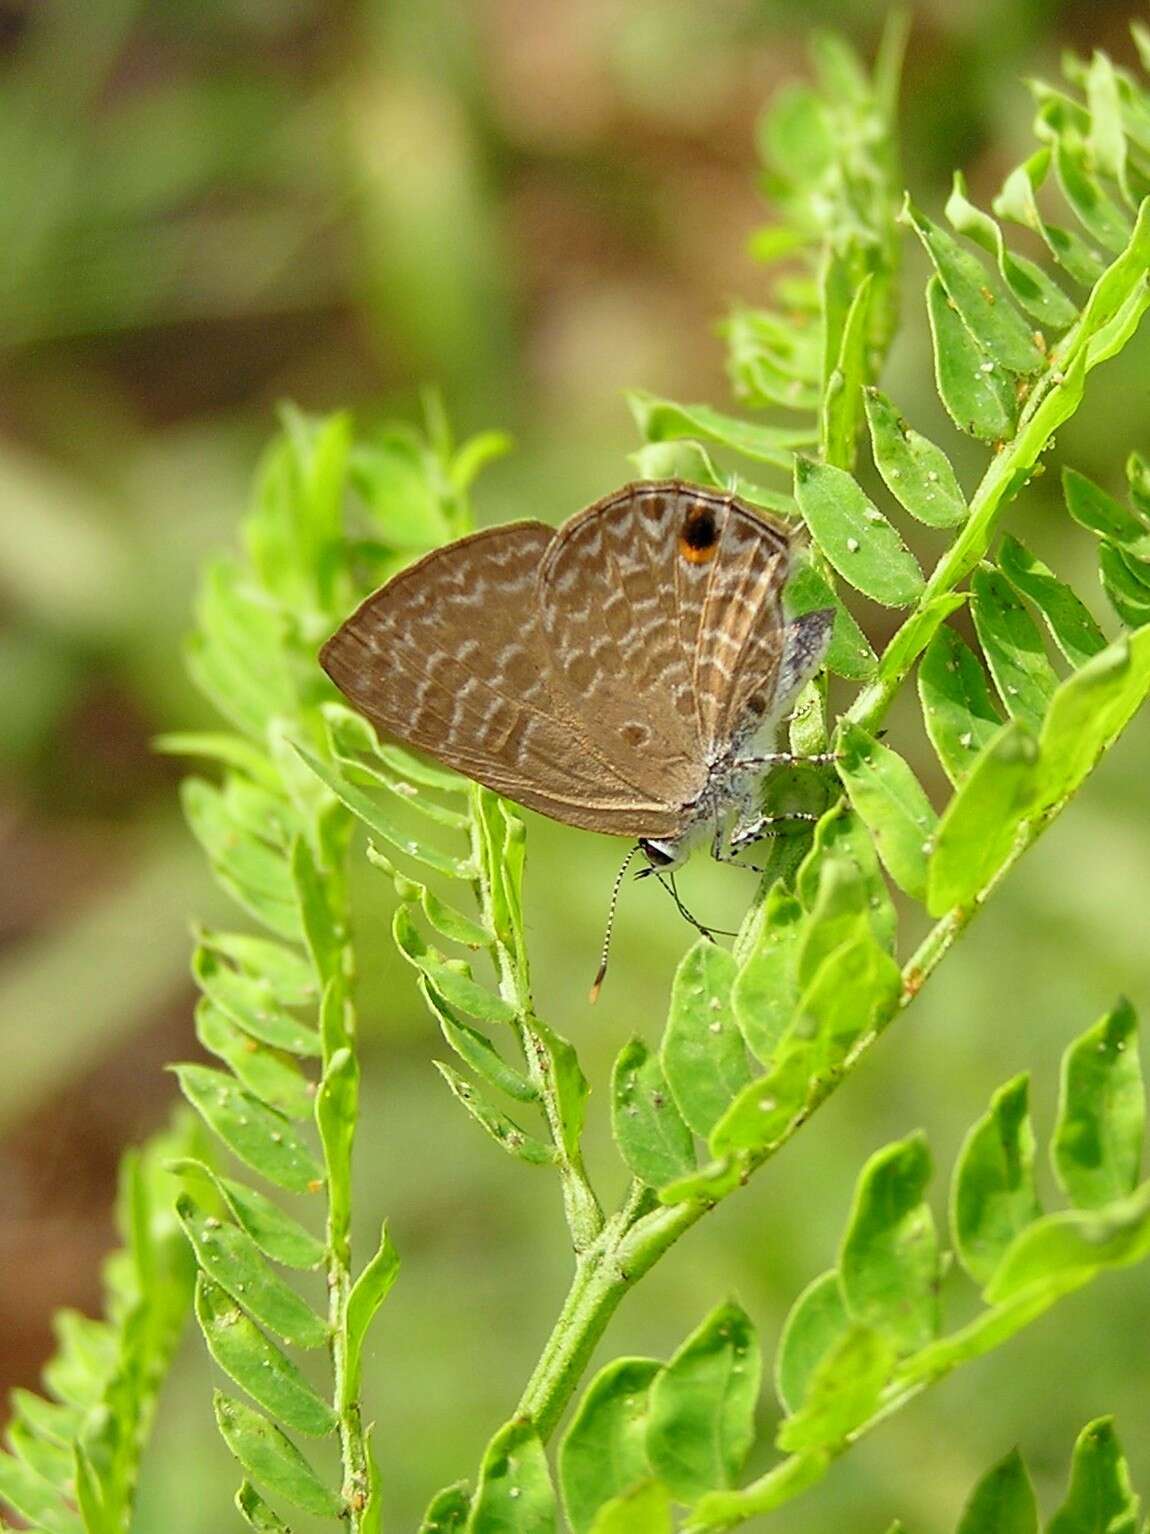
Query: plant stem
{"type": "Point", "coordinates": [581, 1207]}
{"type": "Point", "coordinates": [629, 1245]}
{"type": "Point", "coordinates": [1054, 399]}
{"type": "Point", "coordinates": [357, 1476]}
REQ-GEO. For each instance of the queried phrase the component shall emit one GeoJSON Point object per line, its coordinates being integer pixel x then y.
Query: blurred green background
{"type": "Point", "coordinates": [212, 206]}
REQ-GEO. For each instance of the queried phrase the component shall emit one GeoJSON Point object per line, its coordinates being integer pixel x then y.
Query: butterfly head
{"type": "Point", "coordinates": [661, 853]}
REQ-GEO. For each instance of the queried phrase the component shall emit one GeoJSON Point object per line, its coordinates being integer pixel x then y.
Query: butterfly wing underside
{"type": "Point", "coordinates": [661, 608]}
{"type": "Point", "coordinates": [450, 657]}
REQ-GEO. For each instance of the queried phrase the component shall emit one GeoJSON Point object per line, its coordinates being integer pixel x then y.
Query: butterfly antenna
{"type": "Point", "coordinates": [616, 887]}
{"type": "Point", "coordinates": [668, 883]}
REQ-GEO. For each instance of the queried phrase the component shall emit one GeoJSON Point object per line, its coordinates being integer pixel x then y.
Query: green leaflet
{"type": "Point", "coordinates": [849, 653]}
{"type": "Point", "coordinates": [918, 474]}
{"type": "Point", "coordinates": [1126, 592]}
{"type": "Point", "coordinates": [978, 828]}
{"type": "Point", "coordinates": [691, 462]}
{"type": "Point", "coordinates": [1071, 625]}
{"type": "Point", "coordinates": [603, 1453]}
{"type": "Point", "coordinates": [1099, 1496]}
{"type": "Point", "coordinates": [842, 1394]}
{"type": "Point", "coordinates": [889, 1263]}
{"type": "Point", "coordinates": [35, 1499]}
{"type": "Point", "coordinates": [1091, 507]}
{"type": "Point", "coordinates": [977, 393]}
{"type": "Point", "coordinates": [391, 473]}
{"type": "Point", "coordinates": [1097, 1146]}
{"type": "Point", "coordinates": [888, 799]}
{"type": "Point", "coordinates": [842, 836]}
{"type": "Point", "coordinates": [960, 717]}
{"type": "Point", "coordinates": [477, 1050]}
{"type": "Point", "coordinates": [766, 989]}
{"type": "Point", "coordinates": [285, 970]}
{"type": "Point", "coordinates": [702, 1052]}
{"type": "Point", "coordinates": [1013, 647]}
{"type": "Point", "coordinates": [259, 1136]}
{"type": "Point", "coordinates": [449, 922]}
{"type": "Point", "coordinates": [230, 1257]}
{"type": "Point", "coordinates": [256, 1513]}
{"type": "Point", "coordinates": [854, 991]}
{"type": "Point", "coordinates": [1002, 1502]}
{"type": "Point", "coordinates": [838, 911]}
{"type": "Point", "coordinates": [841, 408]}
{"type": "Point", "coordinates": [1063, 1251]}
{"type": "Point", "coordinates": [1041, 298]}
{"type": "Point", "coordinates": [648, 1128]}
{"type": "Point", "coordinates": [251, 1005]}
{"type": "Point", "coordinates": [248, 869]}
{"type": "Point", "coordinates": [380, 824]}
{"type": "Point", "coordinates": [645, 1509]}
{"type": "Point", "coordinates": [815, 1324]}
{"type": "Point", "coordinates": [245, 1354]}
{"type": "Point", "coordinates": [981, 300]}
{"type": "Point", "coordinates": [504, 1131]}
{"type": "Point", "coordinates": [569, 1084]}
{"type": "Point", "coordinates": [276, 1234]}
{"type": "Point", "coordinates": [368, 1293]}
{"type": "Point", "coordinates": [514, 1494]}
{"type": "Point", "coordinates": [993, 1195]}
{"type": "Point", "coordinates": [701, 1412]}
{"type": "Point", "coordinates": [1099, 214]}
{"type": "Point", "coordinates": [447, 1510]}
{"type": "Point", "coordinates": [336, 1106]}
{"type": "Point", "coordinates": [272, 1459]}
{"type": "Point", "coordinates": [323, 931]}
{"type": "Point", "coordinates": [265, 1072]}
{"type": "Point", "coordinates": [660, 420]}
{"type": "Point", "coordinates": [1089, 711]}
{"type": "Point", "coordinates": [236, 656]}
{"type": "Point", "coordinates": [761, 372]}
{"type": "Point", "coordinates": [455, 987]}
{"type": "Point", "coordinates": [1018, 203]}
{"type": "Point", "coordinates": [854, 535]}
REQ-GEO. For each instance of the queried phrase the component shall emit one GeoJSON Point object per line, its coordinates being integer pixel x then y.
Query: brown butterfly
{"type": "Point", "coordinates": [626, 673]}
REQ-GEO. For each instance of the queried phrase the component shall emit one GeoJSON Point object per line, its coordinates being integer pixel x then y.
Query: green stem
{"type": "Point", "coordinates": [581, 1207]}
{"type": "Point", "coordinates": [357, 1477]}
{"type": "Point", "coordinates": [629, 1245]}
{"type": "Point", "coordinates": [1054, 399]}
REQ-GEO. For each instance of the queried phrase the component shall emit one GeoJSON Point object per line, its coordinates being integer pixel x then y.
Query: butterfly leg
{"type": "Point", "coordinates": [789, 759]}
{"type": "Point", "coordinates": [725, 848]}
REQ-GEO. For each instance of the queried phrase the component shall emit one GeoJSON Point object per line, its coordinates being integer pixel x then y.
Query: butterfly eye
{"type": "Point", "coordinates": [699, 535]}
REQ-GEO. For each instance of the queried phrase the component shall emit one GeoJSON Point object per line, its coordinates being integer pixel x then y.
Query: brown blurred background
{"type": "Point", "coordinates": [209, 207]}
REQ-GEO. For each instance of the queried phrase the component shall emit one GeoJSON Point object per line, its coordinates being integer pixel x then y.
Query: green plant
{"type": "Point", "coordinates": [759, 1036]}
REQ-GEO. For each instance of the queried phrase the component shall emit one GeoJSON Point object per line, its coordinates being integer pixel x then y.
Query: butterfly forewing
{"type": "Point", "coordinates": [661, 609]}
{"type": "Point", "coordinates": [450, 657]}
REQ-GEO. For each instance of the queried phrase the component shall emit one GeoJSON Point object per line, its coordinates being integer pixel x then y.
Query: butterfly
{"type": "Point", "coordinates": [626, 673]}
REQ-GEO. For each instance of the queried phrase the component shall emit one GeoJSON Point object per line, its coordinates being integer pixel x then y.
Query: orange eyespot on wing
{"type": "Point", "coordinates": [699, 535]}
